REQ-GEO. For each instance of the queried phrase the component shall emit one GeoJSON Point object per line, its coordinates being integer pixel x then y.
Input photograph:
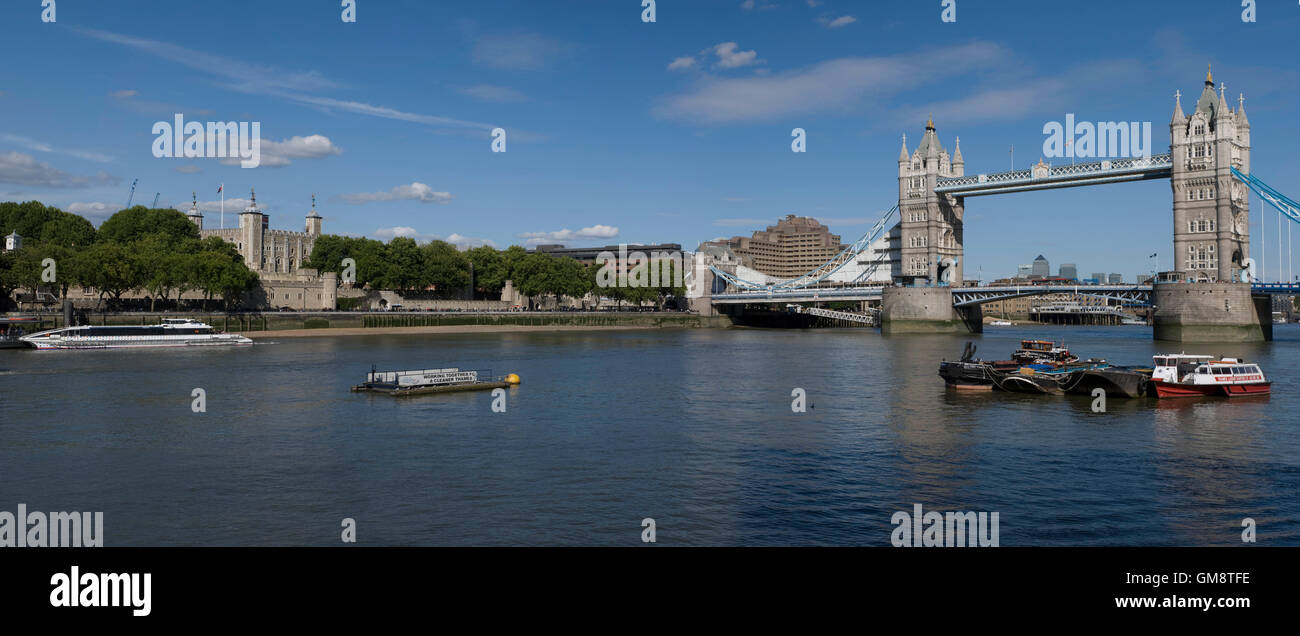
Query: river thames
{"type": "Point", "coordinates": [692, 428]}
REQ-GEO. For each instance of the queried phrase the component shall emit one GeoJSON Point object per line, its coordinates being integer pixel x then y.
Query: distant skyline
{"type": "Point", "coordinates": [620, 131]}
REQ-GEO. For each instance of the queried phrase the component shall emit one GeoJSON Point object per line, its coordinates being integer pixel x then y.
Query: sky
{"type": "Point", "coordinates": [624, 131]}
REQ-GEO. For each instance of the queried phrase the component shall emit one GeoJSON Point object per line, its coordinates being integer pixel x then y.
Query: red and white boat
{"type": "Point", "coordinates": [1182, 375]}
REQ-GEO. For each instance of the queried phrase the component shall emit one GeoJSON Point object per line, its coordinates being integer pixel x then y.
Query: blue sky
{"type": "Point", "coordinates": [623, 131]}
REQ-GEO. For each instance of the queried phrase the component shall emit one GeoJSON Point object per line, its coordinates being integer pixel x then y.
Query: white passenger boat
{"type": "Point", "coordinates": [173, 332]}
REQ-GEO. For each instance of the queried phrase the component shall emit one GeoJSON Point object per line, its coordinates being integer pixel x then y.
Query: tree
{"type": "Point", "coordinates": [112, 269]}
{"type": "Point", "coordinates": [134, 224]}
{"type": "Point", "coordinates": [406, 268]}
{"type": "Point", "coordinates": [446, 268]}
{"type": "Point", "coordinates": [490, 268]}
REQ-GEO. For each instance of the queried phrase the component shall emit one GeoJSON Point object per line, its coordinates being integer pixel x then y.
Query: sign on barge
{"type": "Point", "coordinates": [425, 381]}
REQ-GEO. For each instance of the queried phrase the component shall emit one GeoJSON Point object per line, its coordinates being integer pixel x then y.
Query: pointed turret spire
{"type": "Point", "coordinates": [1222, 110]}
{"type": "Point", "coordinates": [956, 156]}
{"type": "Point", "coordinates": [1209, 75]}
{"type": "Point", "coordinates": [929, 123]}
{"type": "Point", "coordinates": [1178, 108]}
{"type": "Point", "coordinates": [194, 207]}
{"type": "Point", "coordinates": [313, 207]}
{"type": "Point", "coordinates": [252, 204]}
{"type": "Point", "coordinates": [1241, 111]}
{"type": "Point", "coordinates": [902, 154]}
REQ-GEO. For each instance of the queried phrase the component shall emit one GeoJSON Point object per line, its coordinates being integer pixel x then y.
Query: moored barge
{"type": "Point", "coordinates": [425, 381]}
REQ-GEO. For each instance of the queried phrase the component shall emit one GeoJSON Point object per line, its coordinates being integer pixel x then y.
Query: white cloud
{"type": "Point", "coordinates": [390, 233]}
{"type": "Point", "coordinates": [124, 93]}
{"type": "Point", "coordinates": [829, 85]}
{"type": "Point", "coordinates": [281, 153]}
{"type": "Point", "coordinates": [189, 169]}
{"type": "Point", "coordinates": [413, 192]}
{"type": "Point", "coordinates": [730, 57]}
{"type": "Point", "coordinates": [93, 210]}
{"type": "Point", "coordinates": [461, 242]}
{"type": "Point", "coordinates": [24, 169]}
{"type": "Point", "coordinates": [684, 62]}
{"type": "Point", "coordinates": [586, 233]}
{"type": "Point", "coordinates": [495, 94]}
{"type": "Point", "coordinates": [466, 242]}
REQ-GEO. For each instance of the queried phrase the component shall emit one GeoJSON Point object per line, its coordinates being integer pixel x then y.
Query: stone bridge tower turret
{"type": "Point", "coordinates": [930, 224]}
{"type": "Point", "coordinates": [1211, 207]}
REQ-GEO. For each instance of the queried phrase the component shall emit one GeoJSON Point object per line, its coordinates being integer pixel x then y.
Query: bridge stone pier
{"type": "Point", "coordinates": [926, 310]}
{"type": "Point", "coordinates": [1210, 312]}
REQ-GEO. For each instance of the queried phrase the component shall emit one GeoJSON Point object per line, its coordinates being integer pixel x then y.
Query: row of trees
{"type": "Point", "coordinates": [405, 266]}
{"type": "Point", "coordinates": [156, 250]}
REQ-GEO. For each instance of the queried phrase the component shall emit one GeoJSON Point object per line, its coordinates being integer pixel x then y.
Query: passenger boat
{"type": "Point", "coordinates": [1001, 323]}
{"type": "Point", "coordinates": [173, 332]}
{"type": "Point", "coordinates": [1183, 375]}
{"type": "Point", "coordinates": [402, 383]}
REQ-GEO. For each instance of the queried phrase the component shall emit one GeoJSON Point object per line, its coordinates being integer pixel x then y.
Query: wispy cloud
{"type": "Point", "coordinates": [494, 94]}
{"type": "Point", "coordinates": [32, 144]}
{"type": "Point", "coordinates": [24, 169]}
{"type": "Point", "coordinates": [413, 192]}
{"type": "Point", "coordinates": [519, 51]}
{"type": "Point", "coordinates": [682, 63]}
{"type": "Point", "coordinates": [825, 86]}
{"type": "Point", "coordinates": [94, 211]}
{"type": "Point", "coordinates": [835, 23]}
{"type": "Point", "coordinates": [299, 86]}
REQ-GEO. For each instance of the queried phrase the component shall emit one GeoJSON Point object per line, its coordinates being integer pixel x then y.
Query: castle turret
{"type": "Point", "coordinates": [251, 225]}
{"type": "Point", "coordinates": [194, 214]}
{"type": "Point", "coordinates": [930, 224]}
{"type": "Point", "coordinates": [313, 220]}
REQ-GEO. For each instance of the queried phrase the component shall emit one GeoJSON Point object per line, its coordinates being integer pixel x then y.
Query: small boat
{"type": "Point", "coordinates": [1001, 323]}
{"type": "Point", "coordinates": [1183, 375]}
{"type": "Point", "coordinates": [173, 332]}
{"type": "Point", "coordinates": [420, 382]}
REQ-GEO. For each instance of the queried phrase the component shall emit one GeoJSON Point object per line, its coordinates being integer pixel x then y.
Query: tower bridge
{"type": "Point", "coordinates": [1207, 298]}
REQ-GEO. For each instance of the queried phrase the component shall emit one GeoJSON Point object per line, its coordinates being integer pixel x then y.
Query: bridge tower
{"type": "Point", "coordinates": [1211, 228]}
{"type": "Point", "coordinates": [930, 223]}
{"type": "Point", "coordinates": [1211, 208]}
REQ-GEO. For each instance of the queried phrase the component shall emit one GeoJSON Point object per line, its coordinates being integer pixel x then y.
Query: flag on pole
{"type": "Point", "coordinates": [220, 187]}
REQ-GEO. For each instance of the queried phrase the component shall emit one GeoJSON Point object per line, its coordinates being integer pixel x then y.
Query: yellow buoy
{"type": "Point", "coordinates": [512, 379]}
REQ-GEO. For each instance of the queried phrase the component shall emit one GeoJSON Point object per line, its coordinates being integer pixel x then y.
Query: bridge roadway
{"type": "Point", "coordinates": [965, 296]}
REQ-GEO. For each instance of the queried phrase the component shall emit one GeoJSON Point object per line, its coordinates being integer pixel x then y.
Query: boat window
{"type": "Point", "coordinates": [1220, 370]}
{"type": "Point", "coordinates": [1201, 371]}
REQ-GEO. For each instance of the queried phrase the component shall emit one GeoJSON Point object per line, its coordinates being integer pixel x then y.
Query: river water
{"type": "Point", "coordinates": [692, 428]}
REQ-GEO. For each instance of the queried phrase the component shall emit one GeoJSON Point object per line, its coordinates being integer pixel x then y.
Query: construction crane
{"type": "Point", "coordinates": [132, 197]}
{"type": "Point", "coordinates": [155, 199]}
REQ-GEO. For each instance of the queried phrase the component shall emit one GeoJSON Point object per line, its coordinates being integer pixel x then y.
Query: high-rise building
{"type": "Point", "coordinates": [1042, 269]}
{"type": "Point", "coordinates": [1069, 271]}
{"type": "Point", "coordinates": [1100, 277]}
{"type": "Point", "coordinates": [1024, 271]}
{"type": "Point", "coordinates": [793, 247]}
{"type": "Point", "coordinates": [1116, 279]}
